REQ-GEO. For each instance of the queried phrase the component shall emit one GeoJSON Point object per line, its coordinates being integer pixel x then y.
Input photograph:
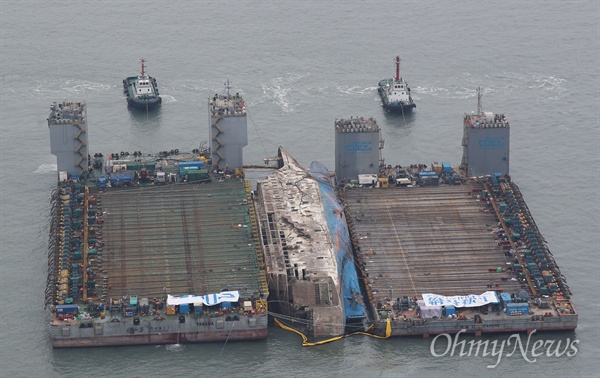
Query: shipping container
{"type": "Point", "coordinates": [428, 178]}
{"type": "Point", "coordinates": [403, 181]}
{"type": "Point", "coordinates": [446, 167]}
{"type": "Point", "coordinates": [450, 310]}
{"type": "Point", "coordinates": [184, 308]}
{"type": "Point", "coordinates": [67, 309]}
{"type": "Point", "coordinates": [201, 174]}
{"type": "Point", "coordinates": [505, 298]}
{"type": "Point", "coordinates": [367, 179]}
{"type": "Point", "coordinates": [102, 181]}
{"type": "Point", "coordinates": [189, 164]}
{"type": "Point", "coordinates": [122, 177]}
{"type": "Point", "coordinates": [383, 182]}
{"type": "Point", "coordinates": [517, 309]}
{"type": "Point", "coordinates": [436, 167]}
{"type": "Point", "coordinates": [170, 310]}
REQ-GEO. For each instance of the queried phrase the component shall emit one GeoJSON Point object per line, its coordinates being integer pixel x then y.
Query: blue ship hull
{"type": "Point", "coordinates": [354, 310]}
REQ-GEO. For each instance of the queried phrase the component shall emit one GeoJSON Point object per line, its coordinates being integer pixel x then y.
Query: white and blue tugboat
{"type": "Point", "coordinates": [141, 91]}
{"type": "Point", "coordinates": [395, 93]}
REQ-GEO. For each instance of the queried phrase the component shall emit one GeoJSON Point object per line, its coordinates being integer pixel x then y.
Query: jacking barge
{"type": "Point", "coordinates": [441, 250]}
{"type": "Point", "coordinates": [132, 234]}
{"type": "Point", "coordinates": [177, 247]}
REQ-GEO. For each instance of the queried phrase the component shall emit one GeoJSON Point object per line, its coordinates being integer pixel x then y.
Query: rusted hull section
{"type": "Point", "coordinates": [425, 329]}
{"type": "Point", "coordinates": [169, 338]}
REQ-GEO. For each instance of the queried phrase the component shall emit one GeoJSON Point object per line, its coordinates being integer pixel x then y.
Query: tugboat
{"type": "Point", "coordinates": [395, 93]}
{"type": "Point", "coordinates": [141, 91]}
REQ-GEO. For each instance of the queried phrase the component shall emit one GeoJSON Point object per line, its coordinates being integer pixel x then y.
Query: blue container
{"type": "Point", "coordinates": [446, 167]}
{"type": "Point", "coordinates": [517, 309]}
{"type": "Point", "coordinates": [102, 181]}
{"type": "Point", "coordinates": [450, 310]}
{"type": "Point", "coordinates": [67, 309]}
{"type": "Point", "coordinates": [184, 308]}
{"type": "Point", "coordinates": [122, 177]}
{"type": "Point", "coordinates": [186, 164]}
{"type": "Point", "coordinates": [428, 174]}
{"type": "Point", "coordinates": [505, 298]}
{"type": "Point", "coordinates": [188, 170]}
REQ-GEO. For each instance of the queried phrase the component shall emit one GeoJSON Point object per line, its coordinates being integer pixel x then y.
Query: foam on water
{"type": "Point", "coordinates": [176, 348]}
{"type": "Point", "coordinates": [46, 168]}
{"type": "Point", "coordinates": [280, 90]}
{"type": "Point", "coordinates": [74, 88]}
{"type": "Point", "coordinates": [167, 99]}
{"type": "Point", "coordinates": [355, 90]}
{"type": "Point", "coordinates": [541, 88]}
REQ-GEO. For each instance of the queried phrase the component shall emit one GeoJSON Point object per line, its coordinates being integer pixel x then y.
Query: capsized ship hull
{"type": "Point", "coordinates": [307, 249]}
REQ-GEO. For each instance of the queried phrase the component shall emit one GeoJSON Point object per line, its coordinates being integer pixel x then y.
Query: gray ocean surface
{"type": "Point", "coordinates": [300, 65]}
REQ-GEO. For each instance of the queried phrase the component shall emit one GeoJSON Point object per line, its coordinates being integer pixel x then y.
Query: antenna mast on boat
{"type": "Point", "coordinates": [479, 106]}
{"type": "Point", "coordinates": [227, 86]}
{"type": "Point", "coordinates": [143, 61]}
{"type": "Point", "coordinates": [397, 67]}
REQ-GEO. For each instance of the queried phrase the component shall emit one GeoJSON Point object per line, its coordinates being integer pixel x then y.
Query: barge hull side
{"type": "Point", "coordinates": [168, 338]}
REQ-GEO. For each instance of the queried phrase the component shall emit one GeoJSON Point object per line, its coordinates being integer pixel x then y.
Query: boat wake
{"type": "Point", "coordinates": [46, 168]}
{"type": "Point", "coordinates": [69, 87]}
{"type": "Point", "coordinates": [352, 90]}
{"type": "Point", "coordinates": [167, 99]}
{"type": "Point", "coordinates": [174, 347]}
{"type": "Point", "coordinates": [542, 88]}
{"type": "Point", "coordinates": [279, 90]}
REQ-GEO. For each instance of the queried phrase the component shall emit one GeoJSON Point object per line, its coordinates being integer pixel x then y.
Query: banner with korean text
{"type": "Point", "coordinates": [208, 299]}
{"type": "Point", "coordinates": [471, 300]}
